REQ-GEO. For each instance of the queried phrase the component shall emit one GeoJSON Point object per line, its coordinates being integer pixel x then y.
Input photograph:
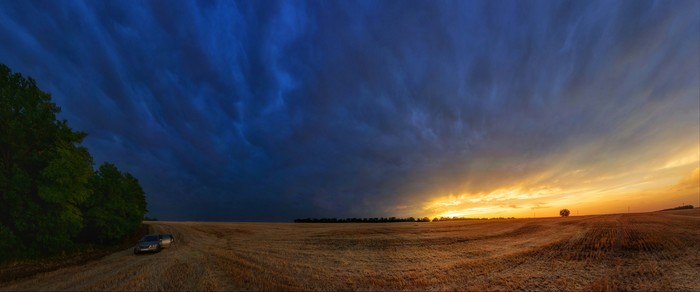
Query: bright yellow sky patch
{"type": "Point", "coordinates": [670, 186]}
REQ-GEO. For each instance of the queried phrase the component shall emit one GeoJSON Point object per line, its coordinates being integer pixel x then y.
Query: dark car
{"type": "Point", "coordinates": [148, 243]}
{"type": "Point", "coordinates": [166, 240]}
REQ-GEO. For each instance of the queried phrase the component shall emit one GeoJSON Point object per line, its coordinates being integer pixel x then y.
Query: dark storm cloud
{"type": "Point", "coordinates": [274, 110]}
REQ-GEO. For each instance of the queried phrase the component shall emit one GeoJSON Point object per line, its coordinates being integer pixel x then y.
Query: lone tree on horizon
{"type": "Point", "coordinates": [564, 212]}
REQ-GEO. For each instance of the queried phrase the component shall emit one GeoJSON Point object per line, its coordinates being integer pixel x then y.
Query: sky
{"type": "Point", "coordinates": [275, 110]}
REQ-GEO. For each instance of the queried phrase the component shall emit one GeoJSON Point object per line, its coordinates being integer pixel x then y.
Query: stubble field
{"type": "Point", "coordinates": [646, 251]}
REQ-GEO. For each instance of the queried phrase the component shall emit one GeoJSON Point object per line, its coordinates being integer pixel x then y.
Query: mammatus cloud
{"type": "Point", "coordinates": [277, 110]}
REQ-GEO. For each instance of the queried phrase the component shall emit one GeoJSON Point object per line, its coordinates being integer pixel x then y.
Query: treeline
{"type": "Point", "coordinates": [684, 207]}
{"type": "Point", "coordinates": [51, 199]}
{"type": "Point", "coordinates": [361, 220]}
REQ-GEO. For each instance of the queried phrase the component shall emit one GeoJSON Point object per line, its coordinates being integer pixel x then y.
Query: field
{"type": "Point", "coordinates": [647, 251]}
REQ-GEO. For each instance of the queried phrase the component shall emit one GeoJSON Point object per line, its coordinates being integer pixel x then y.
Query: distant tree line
{"type": "Point", "coordinates": [679, 208]}
{"type": "Point", "coordinates": [51, 199]}
{"type": "Point", "coordinates": [361, 220]}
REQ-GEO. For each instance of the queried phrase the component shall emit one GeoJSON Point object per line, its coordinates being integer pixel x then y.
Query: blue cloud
{"type": "Point", "coordinates": [276, 110]}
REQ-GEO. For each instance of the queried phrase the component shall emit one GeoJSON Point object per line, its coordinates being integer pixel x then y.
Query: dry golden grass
{"type": "Point", "coordinates": [647, 251]}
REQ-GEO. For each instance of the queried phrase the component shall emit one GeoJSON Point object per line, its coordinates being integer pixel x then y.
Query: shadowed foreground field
{"type": "Point", "coordinates": [647, 251]}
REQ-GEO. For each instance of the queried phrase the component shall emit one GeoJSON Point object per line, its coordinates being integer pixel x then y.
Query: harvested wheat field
{"type": "Point", "coordinates": [645, 251]}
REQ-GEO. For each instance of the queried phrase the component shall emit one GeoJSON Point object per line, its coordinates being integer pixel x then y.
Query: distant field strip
{"type": "Point", "coordinates": [648, 251]}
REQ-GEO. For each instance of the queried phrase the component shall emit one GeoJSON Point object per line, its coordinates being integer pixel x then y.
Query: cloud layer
{"type": "Point", "coordinates": [268, 110]}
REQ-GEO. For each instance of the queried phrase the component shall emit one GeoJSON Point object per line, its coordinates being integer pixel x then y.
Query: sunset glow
{"type": "Point", "coordinates": [675, 183]}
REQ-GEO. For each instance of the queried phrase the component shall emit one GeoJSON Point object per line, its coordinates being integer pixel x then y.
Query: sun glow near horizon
{"type": "Point", "coordinates": [670, 186]}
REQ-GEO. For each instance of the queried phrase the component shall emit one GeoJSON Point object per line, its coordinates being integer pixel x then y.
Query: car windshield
{"type": "Point", "coordinates": [150, 238]}
{"type": "Point", "coordinates": [165, 236]}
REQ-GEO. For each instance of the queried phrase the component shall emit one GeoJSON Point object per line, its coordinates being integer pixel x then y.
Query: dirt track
{"type": "Point", "coordinates": [650, 251]}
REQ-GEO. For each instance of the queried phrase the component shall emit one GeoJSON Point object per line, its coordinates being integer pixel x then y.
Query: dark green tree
{"type": "Point", "coordinates": [49, 194]}
{"type": "Point", "coordinates": [43, 171]}
{"type": "Point", "coordinates": [116, 207]}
